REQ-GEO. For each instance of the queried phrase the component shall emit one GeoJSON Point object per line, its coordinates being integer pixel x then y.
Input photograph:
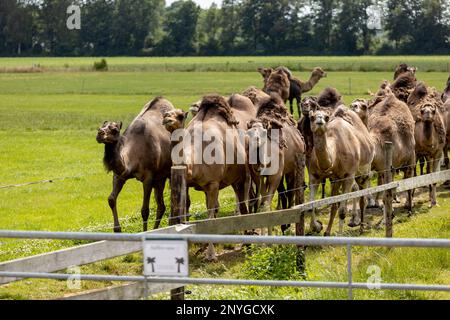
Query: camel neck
{"type": "Point", "coordinates": [428, 131]}
{"type": "Point", "coordinates": [313, 79]}
{"type": "Point", "coordinates": [322, 151]}
{"type": "Point", "coordinates": [112, 159]}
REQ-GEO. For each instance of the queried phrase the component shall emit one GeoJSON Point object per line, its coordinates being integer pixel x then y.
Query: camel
{"type": "Point", "coordinates": [445, 99]}
{"type": "Point", "coordinates": [141, 152]}
{"type": "Point", "coordinates": [342, 152]}
{"type": "Point", "coordinates": [403, 68]}
{"type": "Point", "coordinates": [389, 119]}
{"type": "Point", "coordinates": [403, 85]}
{"type": "Point", "coordinates": [296, 86]}
{"type": "Point", "coordinates": [446, 93]}
{"type": "Point", "coordinates": [271, 116]}
{"type": "Point", "coordinates": [216, 124]}
{"type": "Point", "coordinates": [430, 130]}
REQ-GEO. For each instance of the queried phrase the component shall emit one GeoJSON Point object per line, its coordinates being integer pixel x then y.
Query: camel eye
{"type": "Point", "coordinates": [327, 118]}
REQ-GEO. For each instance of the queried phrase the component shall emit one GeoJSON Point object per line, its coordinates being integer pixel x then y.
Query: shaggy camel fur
{"type": "Point", "coordinates": [342, 152]}
{"type": "Point", "coordinates": [277, 83]}
{"type": "Point", "coordinates": [389, 119]}
{"type": "Point", "coordinates": [142, 152]}
{"type": "Point", "coordinates": [216, 115]}
{"type": "Point", "coordinates": [430, 130]}
{"type": "Point", "coordinates": [403, 68]}
{"type": "Point", "coordinates": [274, 115]}
{"type": "Point", "coordinates": [296, 86]}
{"type": "Point", "coordinates": [404, 85]}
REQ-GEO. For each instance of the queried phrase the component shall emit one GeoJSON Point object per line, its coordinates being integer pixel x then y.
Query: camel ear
{"type": "Point", "coordinates": [104, 122]}
{"type": "Point", "coordinates": [120, 125]}
{"type": "Point", "coordinates": [249, 125]}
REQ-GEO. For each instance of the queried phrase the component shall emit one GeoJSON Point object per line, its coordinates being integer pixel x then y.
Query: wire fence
{"type": "Point", "coordinates": [348, 242]}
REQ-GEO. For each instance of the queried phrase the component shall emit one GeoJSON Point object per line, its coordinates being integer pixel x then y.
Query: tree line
{"type": "Point", "coordinates": [237, 27]}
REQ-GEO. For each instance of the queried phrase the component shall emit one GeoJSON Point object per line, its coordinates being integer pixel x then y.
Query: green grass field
{"type": "Point", "coordinates": [48, 125]}
{"type": "Point", "coordinates": [354, 63]}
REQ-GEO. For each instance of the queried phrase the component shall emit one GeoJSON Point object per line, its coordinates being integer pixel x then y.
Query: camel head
{"type": "Point", "coordinates": [427, 112]}
{"type": "Point", "coordinates": [319, 72]}
{"type": "Point", "coordinates": [174, 120]}
{"type": "Point", "coordinates": [256, 132]}
{"type": "Point", "coordinates": [265, 72]}
{"type": "Point", "coordinates": [403, 68]}
{"type": "Point", "coordinates": [194, 108]}
{"type": "Point", "coordinates": [360, 107]}
{"type": "Point", "coordinates": [278, 82]}
{"type": "Point", "coordinates": [308, 104]}
{"type": "Point", "coordinates": [109, 132]}
{"type": "Point", "coordinates": [319, 118]}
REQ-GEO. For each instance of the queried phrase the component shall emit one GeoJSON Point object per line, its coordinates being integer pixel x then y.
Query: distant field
{"type": "Point", "coordinates": [48, 124]}
{"type": "Point", "coordinates": [297, 63]}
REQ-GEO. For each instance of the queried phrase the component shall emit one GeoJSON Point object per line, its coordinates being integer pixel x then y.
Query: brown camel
{"type": "Point", "coordinates": [342, 152]}
{"type": "Point", "coordinates": [403, 68]}
{"type": "Point", "coordinates": [296, 86]}
{"type": "Point", "coordinates": [403, 85]}
{"type": "Point", "coordinates": [446, 93]}
{"type": "Point", "coordinates": [445, 99]}
{"type": "Point", "coordinates": [273, 115]}
{"type": "Point", "coordinates": [208, 167]}
{"type": "Point", "coordinates": [141, 152]}
{"type": "Point", "coordinates": [389, 119]}
{"type": "Point", "coordinates": [277, 83]}
{"type": "Point", "coordinates": [430, 130]}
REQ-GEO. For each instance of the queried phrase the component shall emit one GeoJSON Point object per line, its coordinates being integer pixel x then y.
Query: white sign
{"type": "Point", "coordinates": [166, 258]}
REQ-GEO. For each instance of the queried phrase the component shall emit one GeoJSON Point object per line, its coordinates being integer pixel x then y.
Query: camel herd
{"type": "Point", "coordinates": [343, 145]}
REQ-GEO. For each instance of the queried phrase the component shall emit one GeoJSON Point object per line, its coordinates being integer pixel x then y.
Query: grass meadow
{"type": "Point", "coordinates": [48, 123]}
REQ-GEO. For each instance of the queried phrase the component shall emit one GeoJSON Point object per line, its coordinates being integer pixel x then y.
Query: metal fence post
{"type": "Point", "coordinates": [349, 272]}
{"type": "Point", "coordinates": [388, 195]}
{"type": "Point", "coordinates": [178, 210]}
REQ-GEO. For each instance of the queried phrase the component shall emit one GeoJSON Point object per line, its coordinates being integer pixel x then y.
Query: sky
{"type": "Point", "coordinates": [203, 3]}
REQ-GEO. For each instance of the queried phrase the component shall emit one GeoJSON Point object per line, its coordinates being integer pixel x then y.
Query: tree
{"type": "Point", "coordinates": [180, 29]}
{"type": "Point", "coordinates": [97, 30]}
{"type": "Point", "coordinates": [208, 31]}
{"type": "Point", "coordinates": [323, 12]}
{"type": "Point", "coordinates": [229, 26]}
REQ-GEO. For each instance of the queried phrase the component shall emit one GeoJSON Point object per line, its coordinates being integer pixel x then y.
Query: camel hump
{"type": "Point", "coordinates": [343, 113]}
{"type": "Point", "coordinates": [216, 103]}
{"type": "Point", "coordinates": [329, 97]}
{"type": "Point", "coordinates": [157, 104]}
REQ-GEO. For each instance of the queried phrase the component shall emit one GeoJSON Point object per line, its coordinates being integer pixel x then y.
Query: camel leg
{"type": "Point", "coordinates": [291, 105]}
{"type": "Point", "coordinates": [433, 164]}
{"type": "Point", "coordinates": [118, 184]}
{"type": "Point", "coordinates": [324, 182]}
{"type": "Point", "coordinates": [354, 220]}
{"type": "Point", "coordinates": [335, 186]}
{"type": "Point", "coordinates": [212, 195]}
{"type": "Point", "coordinates": [299, 109]}
{"type": "Point", "coordinates": [347, 185]}
{"type": "Point", "coordinates": [159, 198]}
{"type": "Point", "coordinates": [290, 183]}
{"type": "Point", "coordinates": [282, 198]}
{"type": "Point", "coordinates": [408, 173]}
{"type": "Point", "coordinates": [145, 210]}
{"type": "Point", "coordinates": [316, 225]}
{"type": "Point", "coordinates": [239, 189]}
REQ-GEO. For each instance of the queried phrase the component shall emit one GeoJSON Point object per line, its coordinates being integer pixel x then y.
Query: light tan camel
{"type": "Point", "coordinates": [430, 130]}
{"type": "Point", "coordinates": [271, 116]}
{"type": "Point", "coordinates": [342, 152]}
{"type": "Point", "coordinates": [142, 152]}
{"type": "Point", "coordinates": [389, 119]}
{"type": "Point", "coordinates": [216, 124]}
